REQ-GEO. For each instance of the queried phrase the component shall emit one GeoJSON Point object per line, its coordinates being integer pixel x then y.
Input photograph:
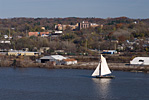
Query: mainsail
{"type": "Point", "coordinates": [103, 66]}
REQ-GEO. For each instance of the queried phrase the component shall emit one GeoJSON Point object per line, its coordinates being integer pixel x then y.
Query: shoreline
{"type": "Point", "coordinates": [26, 62]}
{"type": "Point", "coordinates": [112, 66]}
{"type": "Point", "coordinates": [88, 66]}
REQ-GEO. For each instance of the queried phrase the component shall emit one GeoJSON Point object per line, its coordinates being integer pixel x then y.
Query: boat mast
{"type": "Point", "coordinates": [100, 65]}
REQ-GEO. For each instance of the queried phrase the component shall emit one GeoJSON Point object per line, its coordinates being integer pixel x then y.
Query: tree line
{"type": "Point", "coordinates": [120, 29]}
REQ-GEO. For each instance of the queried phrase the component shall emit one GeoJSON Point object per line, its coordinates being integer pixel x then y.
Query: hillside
{"type": "Point", "coordinates": [122, 29]}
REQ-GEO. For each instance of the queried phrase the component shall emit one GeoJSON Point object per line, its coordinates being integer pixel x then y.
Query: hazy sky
{"type": "Point", "coordinates": [74, 8]}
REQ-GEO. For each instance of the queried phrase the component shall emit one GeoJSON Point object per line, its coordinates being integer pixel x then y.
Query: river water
{"type": "Point", "coordinates": [70, 84]}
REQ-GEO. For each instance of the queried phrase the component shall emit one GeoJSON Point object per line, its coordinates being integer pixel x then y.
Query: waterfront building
{"type": "Point", "coordinates": [57, 60]}
{"type": "Point", "coordinates": [140, 61]}
{"type": "Point", "coordinates": [69, 61]}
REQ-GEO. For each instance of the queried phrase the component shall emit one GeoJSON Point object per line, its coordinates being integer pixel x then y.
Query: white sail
{"type": "Point", "coordinates": [96, 72]}
{"type": "Point", "coordinates": [104, 67]}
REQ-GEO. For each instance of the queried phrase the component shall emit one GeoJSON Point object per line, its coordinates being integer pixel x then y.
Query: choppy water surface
{"type": "Point", "coordinates": [70, 84]}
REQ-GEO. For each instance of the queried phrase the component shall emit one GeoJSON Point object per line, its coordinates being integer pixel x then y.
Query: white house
{"type": "Point", "coordinates": [5, 42]}
{"type": "Point", "coordinates": [5, 36]}
{"type": "Point", "coordinates": [69, 61]}
{"type": "Point", "coordinates": [140, 61]}
{"type": "Point", "coordinates": [58, 32]}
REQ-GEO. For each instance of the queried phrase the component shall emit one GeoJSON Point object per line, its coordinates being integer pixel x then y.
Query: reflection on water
{"type": "Point", "coordinates": [102, 86]}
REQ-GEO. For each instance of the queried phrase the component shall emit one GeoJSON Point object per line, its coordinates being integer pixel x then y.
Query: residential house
{"type": "Point", "coordinates": [5, 42]}
{"type": "Point", "coordinates": [44, 49]}
{"type": "Point", "coordinates": [33, 34]}
{"type": "Point", "coordinates": [69, 61]}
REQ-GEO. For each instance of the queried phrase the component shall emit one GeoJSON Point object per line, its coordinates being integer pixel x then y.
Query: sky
{"type": "Point", "coordinates": [74, 8]}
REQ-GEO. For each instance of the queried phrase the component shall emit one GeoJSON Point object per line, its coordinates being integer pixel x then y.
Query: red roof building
{"type": "Point", "coordinates": [37, 33]}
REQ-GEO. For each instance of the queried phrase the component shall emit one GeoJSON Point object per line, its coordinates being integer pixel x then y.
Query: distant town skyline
{"type": "Point", "coordinates": [74, 8]}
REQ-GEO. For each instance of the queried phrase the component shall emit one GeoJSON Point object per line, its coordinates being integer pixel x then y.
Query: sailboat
{"type": "Point", "coordinates": [102, 70]}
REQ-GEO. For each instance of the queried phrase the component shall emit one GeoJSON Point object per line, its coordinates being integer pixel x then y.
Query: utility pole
{"type": "Point", "coordinates": [26, 33]}
{"type": "Point", "coordinates": [9, 34]}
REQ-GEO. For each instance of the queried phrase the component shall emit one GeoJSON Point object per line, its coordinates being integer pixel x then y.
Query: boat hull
{"type": "Point", "coordinates": [109, 77]}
